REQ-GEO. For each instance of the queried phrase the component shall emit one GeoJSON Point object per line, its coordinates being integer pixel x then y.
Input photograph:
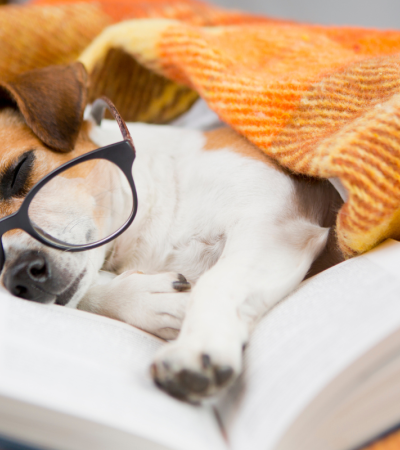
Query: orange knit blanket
{"type": "Point", "coordinates": [323, 101]}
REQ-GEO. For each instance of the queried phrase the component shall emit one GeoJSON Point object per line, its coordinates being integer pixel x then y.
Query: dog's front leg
{"type": "Point", "coordinates": [224, 306]}
{"type": "Point", "coordinates": [154, 303]}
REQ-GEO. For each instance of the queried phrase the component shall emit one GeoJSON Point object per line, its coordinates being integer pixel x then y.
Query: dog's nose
{"type": "Point", "coordinates": [27, 277]}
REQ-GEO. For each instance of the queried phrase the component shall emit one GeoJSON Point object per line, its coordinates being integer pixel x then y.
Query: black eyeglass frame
{"type": "Point", "coordinates": [122, 154]}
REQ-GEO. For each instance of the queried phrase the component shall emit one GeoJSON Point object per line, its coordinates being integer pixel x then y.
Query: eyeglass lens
{"type": "Point", "coordinates": [84, 204]}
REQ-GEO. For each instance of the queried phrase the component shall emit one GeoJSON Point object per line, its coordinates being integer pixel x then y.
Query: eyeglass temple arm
{"type": "Point", "coordinates": [97, 112]}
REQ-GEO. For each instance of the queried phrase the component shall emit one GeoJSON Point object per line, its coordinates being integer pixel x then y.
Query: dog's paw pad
{"type": "Point", "coordinates": [193, 381]}
{"type": "Point", "coordinates": [192, 378]}
{"type": "Point", "coordinates": [223, 374]}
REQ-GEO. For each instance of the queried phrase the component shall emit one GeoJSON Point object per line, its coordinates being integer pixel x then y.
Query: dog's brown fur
{"type": "Point", "coordinates": [52, 101]}
{"type": "Point", "coordinates": [25, 117]}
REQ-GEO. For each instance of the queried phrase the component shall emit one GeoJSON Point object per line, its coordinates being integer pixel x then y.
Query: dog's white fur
{"type": "Point", "coordinates": [223, 220]}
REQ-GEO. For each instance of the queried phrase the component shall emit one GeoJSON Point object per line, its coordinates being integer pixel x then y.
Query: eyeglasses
{"type": "Point", "coordinates": [85, 203]}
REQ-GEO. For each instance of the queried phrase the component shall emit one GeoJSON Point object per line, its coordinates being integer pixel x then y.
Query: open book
{"type": "Point", "coordinates": [322, 372]}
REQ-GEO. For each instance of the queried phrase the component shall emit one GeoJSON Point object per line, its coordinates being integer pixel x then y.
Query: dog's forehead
{"type": "Point", "coordinates": [15, 136]}
{"type": "Point", "coordinates": [15, 140]}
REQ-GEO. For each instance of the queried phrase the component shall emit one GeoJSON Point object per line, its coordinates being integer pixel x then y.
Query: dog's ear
{"type": "Point", "coordinates": [51, 100]}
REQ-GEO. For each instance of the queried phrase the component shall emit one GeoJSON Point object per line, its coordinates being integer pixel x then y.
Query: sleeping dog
{"type": "Point", "coordinates": [221, 234]}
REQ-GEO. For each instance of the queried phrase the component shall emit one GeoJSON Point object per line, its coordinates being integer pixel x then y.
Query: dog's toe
{"type": "Point", "coordinates": [166, 282]}
{"type": "Point", "coordinates": [153, 302]}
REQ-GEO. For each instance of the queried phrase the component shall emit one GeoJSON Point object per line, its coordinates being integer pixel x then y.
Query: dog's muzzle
{"type": "Point", "coordinates": [32, 277]}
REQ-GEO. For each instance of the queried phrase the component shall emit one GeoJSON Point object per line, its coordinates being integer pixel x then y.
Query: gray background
{"type": "Point", "coordinates": [371, 13]}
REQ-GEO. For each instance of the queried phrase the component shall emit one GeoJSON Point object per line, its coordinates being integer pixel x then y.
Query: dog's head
{"type": "Point", "coordinates": [42, 127]}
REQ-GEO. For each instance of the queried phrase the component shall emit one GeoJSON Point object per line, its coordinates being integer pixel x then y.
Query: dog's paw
{"type": "Point", "coordinates": [160, 301]}
{"type": "Point", "coordinates": [155, 303]}
{"type": "Point", "coordinates": [193, 375]}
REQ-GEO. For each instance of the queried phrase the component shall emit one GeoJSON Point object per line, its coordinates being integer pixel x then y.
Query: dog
{"type": "Point", "coordinates": [221, 235]}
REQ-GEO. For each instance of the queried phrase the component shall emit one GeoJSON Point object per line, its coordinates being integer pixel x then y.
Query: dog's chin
{"type": "Point", "coordinates": [72, 295]}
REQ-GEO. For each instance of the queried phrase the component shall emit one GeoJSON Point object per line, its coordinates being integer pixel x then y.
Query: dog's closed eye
{"type": "Point", "coordinates": [14, 180]}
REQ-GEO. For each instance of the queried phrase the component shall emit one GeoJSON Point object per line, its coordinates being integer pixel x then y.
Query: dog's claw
{"type": "Point", "coordinates": [206, 360]}
{"type": "Point", "coordinates": [182, 284]}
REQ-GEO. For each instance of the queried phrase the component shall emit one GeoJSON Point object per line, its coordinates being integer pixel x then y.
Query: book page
{"type": "Point", "coordinates": [96, 369]}
{"type": "Point", "coordinates": [307, 340]}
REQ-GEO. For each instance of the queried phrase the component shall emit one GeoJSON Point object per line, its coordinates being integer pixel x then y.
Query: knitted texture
{"type": "Point", "coordinates": [37, 36]}
{"type": "Point", "coordinates": [139, 94]}
{"type": "Point", "coordinates": [322, 101]}
{"type": "Point", "coordinates": [189, 11]}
